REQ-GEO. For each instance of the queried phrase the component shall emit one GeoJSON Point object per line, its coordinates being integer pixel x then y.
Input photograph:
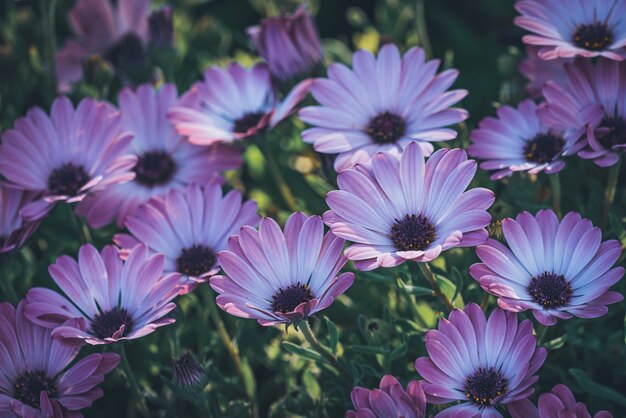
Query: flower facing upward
{"type": "Point", "coordinates": [382, 104]}
{"type": "Point", "coordinates": [14, 231]}
{"type": "Point", "coordinates": [35, 380]}
{"type": "Point", "coordinates": [556, 269]}
{"type": "Point", "coordinates": [108, 300]}
{"type": "Point", "coordinates": [391, 400]}
{"type": "Point", "coordinates": [539, 71]}
{"type": "Point", "coordinates": [483, 363]}
{"type": "Point", "coordinates": [404, 208]}
{"type": "Point", "coordinates": [558, 403]}
{"type": "Point", "coordinates": [281, 277]}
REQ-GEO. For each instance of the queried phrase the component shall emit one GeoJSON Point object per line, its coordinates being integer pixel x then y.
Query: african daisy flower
{"type": "Point", "coordinates": [35, 379]}
{"type": "Point", "coordinates": [67, 155]}
{"type": "Point", "coordinates": [108, 299]}
{"type": "Point", "coordinates": [14, 231]}
{"type": "Point", "coordinates": [405, 208]}
{"type": "Point", "coordinates": [233, 103]}
{"type": "Point", "coordinates": [484, 363]}
{"type": "Point", "coordinates": [565, 29]}
{"type": "Point", "coordinates": [558, 269]}
{"type": "Point", "coordinates": [164, 159]}
{"type": "Point", "coordinates": [391, 400]}
{"type": "Point", "coordinates": [189, 227]}
{"type": "Point", "coordinates": [558, 403]}
{"type": "Point", "coordinates": [382, 104]}
{"type": "Point", "coordinates": [281, 277]}
{"type": "Point", "coordinates": [538, 71]}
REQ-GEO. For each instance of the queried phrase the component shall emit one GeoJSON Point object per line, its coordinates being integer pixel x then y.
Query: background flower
{"type": "Point", "coordinates": [391, 400]}
{"type": "Point", "coordinates": [14, 231]}
{"type": "Point", "coordinates": [559, 402]}
{"type": "Point", "coordinates": [539, 71]}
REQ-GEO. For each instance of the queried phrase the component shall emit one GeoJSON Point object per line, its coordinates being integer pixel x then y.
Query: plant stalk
{"type": "Point", "coordinates": [430, 278]}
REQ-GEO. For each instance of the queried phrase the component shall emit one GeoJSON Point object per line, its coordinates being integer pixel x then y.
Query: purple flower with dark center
{"type": "Point", "coordinates": [558, 269]}
{"type": "Point", "coordinates": [35, 379]}
{"type": "Point", "coordinates": [558, 403]}
{"type": "Point", "coordinates": [539, 71]}
{"type": "Point", "coordinates": [281, 277]}
{"type": "Point", "coordinates": [482, 363]}
{"type": "Point", "coordinates": [14, 231]}
{"type": "Point", "coordinates": [382, 104]}
{"type": "Point", "coordinates": [390, 401]}
{"type": "Point", "coordinates": [405, 208]}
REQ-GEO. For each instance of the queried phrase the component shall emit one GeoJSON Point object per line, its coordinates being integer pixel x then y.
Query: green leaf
{"type": "Point", "coordinates": [333, 335]}
{"type": "Point", "coordinates": [457, 279]}
{"type": "Point", "coordinates": [595, 388]}
{"type": "Point", "coordinates": [399, 351]}
{"type": "Point", "coordinates": [366, 349]}
{"type": "Point", "coordinates": [310, 383]}
{"type": "Point", "coordinates": [305, 353]}
{"type": "Point", "coordinates": [556, 343]}
{"type": "Point", "coordinates": [374, 277]}
{"type": "Point", "coordinates": [249, 380]}
{"type": "Point", "coordinates": [414, 290]}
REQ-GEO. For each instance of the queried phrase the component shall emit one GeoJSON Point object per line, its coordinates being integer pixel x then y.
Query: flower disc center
{"type": "Point", "coordinates": [286, 300]}
{"type": "Point", "coordinates": [386, 128]}
{"type": "Point", "coordinates": [543, 148]}
{"type": "Point", "coordinates": [616, 132]}
{"type": "Point", "coordinates": [67, 180]}
{"type": "Point", "coordinates": [195, 260]}
{"type": "Point", "coordinates": [412, 233]}
{"type": "Point", "coordinates": [28, 387]}
{"type": "Point", "coordinates": [594, 37]}
{"type": "Point", "coordinates": [154, 168]}
{"type": "Point", "coordinates": [550, 290]}
{"type": "Point", "coordinates": [484, 386]}
{"type": "Point", "coordinates": [247, 122]}
{"type": "Point", "coordinates": [105, 324]}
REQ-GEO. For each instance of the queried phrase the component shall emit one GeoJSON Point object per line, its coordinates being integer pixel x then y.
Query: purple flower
{"type": "Point", "coordinates": [558, 403]}
{"type": "Point", "coordinates": [35, 379]}
{"type": "Point", "coordinates": [14, 231]}
{"type": "Point", "coordinates": [539, 71]}
{"type": "Point", "coordinates": [390, 401]}
{"type": "Point", "coordinates": [189, 227]}
{"type": "Point", "coordinates": [565, 29]}
{"type": "Point", "coordinates": [232, 104]}
{"type": "Point", "coordinates": [403, 208]}
{"type": "Point", "coordinates": [161, 27]}
{"type": "Point", "coordinates": [108, 300]}
{"type": "Point", "coordinates": [66, 156]}
{"type": "Point", "coordinates": [383, 104]}
{"type": "Point", "coordinates": [277, 277]}
{"type": "Point", "coordinates": [164, 159]}
{"type": "Point", "coordinates": [556, 269]}
{"type": "Point", "coordinates": [289, 43]}
{"type": "Point", "coordinates": [187, 371]}
{"type": "Point", "coordinates": [482, 363]}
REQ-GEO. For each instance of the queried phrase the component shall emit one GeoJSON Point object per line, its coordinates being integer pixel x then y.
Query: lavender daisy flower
{"type": "Point", "coordinates": [164, 159]}
{"type": "Point", "coordinates": [277, 277]}
{"type": "Point", "coordinates": [383, 104]}
{"type": "Point", "coordinates": [565, 29]}
{"type": "Point", "coordinates": [556, 269]}
{"type": "Point", "coordinates": [482, 363]}
{"type": "Point", "coordinates": [558, 403]}
{"type": "Point", "coordinates": [403, 208]}
{"type": "Point", "coordinates": [66, 156]}
{"type": "Point", "coordinates": [391, 400]}
{"type": "Point", "coordinates": [109, 300]}
{"type": "Point", "coordinates": [35, 379]}
{"type": "Point", "coordinates": [232, 104]}
{"type": "Point", "coordinates": [14, 231]}
{"type": "Point", "coordinates": [539, 71]}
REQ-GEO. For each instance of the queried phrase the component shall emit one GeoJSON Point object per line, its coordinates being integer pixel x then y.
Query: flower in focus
{"type": "Point", "coordinates": [187, 371]}
{"type": "Point", "coordinates": [405, 208]}
{"type": "Point", "coordinates": [277, 277]}
{"type": "Point", "coordinates": [539, 71]}
{"type": "Point", "coordinates": [35, 381]}
{"type": "Point", "coordinates": [565, 29]}
{"type": "Point", "coordinates": [233, 103]}
{"type": "Point", "coordinates": [164, 159]}
{"type": "Point", "coordinates": [482, 363]}
{"type": "Point", "coordinates": [110, 300]}
{"type": "Point", "coordinates": [14, 231]}
{"type": "Point", "coordinates": [382, 104]}
{"type": "Point", "coordinates": [558, 403]}
{"type": "Point", "coordinates": [66, 156]}
{"type": "Point", "coordinates": [556, 269]}
{"type": "Point", "coordinates": [289, 43]}
{"type": "Point", "coordinates": [391, 400]}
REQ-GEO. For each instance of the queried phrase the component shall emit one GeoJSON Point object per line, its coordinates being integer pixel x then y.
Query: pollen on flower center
{"type": "Point", "coordinates": [247, 122]}
{"type": "Point", "coordinates": [550, 290]}
{"type": "Point", "coordinates": [543, 148]}
{"type": "Point", "coordinates": [154, 168]}
{"type": "Point", "coordinates": [67, 179]}
{"type": "Point", "coordinates": [386, 128]}
{"type": "Point", "coordinates": [105, 324]}
{"type": "Point", "coordinates": [616, 132]}
{"type": "Point", "coordinates": [594, 37]}
{"type": "Point", "coordinates": [29, 385]}
{"type": "Point", "coordinates": [286, 300]}
{"type": "Point", "coordinates": [484, 386]}
{"type": "Point", "coordinates": [412, 233]}
{"type": "Point", "coordinates": [195, 260]}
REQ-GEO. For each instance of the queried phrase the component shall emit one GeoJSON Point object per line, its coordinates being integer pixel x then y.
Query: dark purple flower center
{"type": "Point", "coordinates": [484, 386]}
{"type": "Point", "coordinates": [412, 233]}
{"type": "Point", "coordinates": [154, 168]}
{"type": "Point", "coordinates": [195, 260]}
{"type": "Point", "coordinates": [29, 385]}
{"type": "Point", "coordinates": [186, 370]}
{"type": "Point", "coordinates": [127, 53]}
{"type": "Point", "coordinates": [286, 300]}
{"type": "Point", "coordinates": [67, 180]}
{"type": "Point", "coordinates": [386, 128]}
{"type": "Point", "coordinates": [105, 324]}
{"type": "Point", "coordinates": [543, 148]}
{"type": "Point", "coordinates": [247, 122]}
{"type": "Point", "coordinates": [594, 37]}
{"type": "Point", "coordinates": [616, 134]}
{"type": "Point", "coordinates": [550, 290]}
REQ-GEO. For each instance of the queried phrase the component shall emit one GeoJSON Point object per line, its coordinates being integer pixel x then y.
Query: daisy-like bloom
{"type": "Point", "coordinates": [189, 227]}
{"type": "Point", "coordinates": [382, 104]}
{"type": "Point", "coordinates": [14, 231]}
{"type": "Point", "coordinates": [404, 208]}
{"type": "Point", "coordinates": [391, 400]}
{"type": "Point", "coordinates": [539, 71]}
{"type": "Point", "coordinates": [518, 141]}
{"type": "Point", "coordinates": [558, 403]}
{"type": "Point", "coordinates": [484, 363]}
{"type": "Point", "coordinates": [555, 268]}
{"type": "Point", "coordinates": [107, 299]}
{"type": "Point", "coordinates": [281, 278]}
{"type": "Point", "coordinates": [233, 103]}
{"type": "Point", "coordinates": [66, 156]}
{"type": "Point", "coordinates": [164, 159]}
{"type": "Point", "coordinates": [35, 379]}
{"type": "Point", "coordinates": [565, 29]}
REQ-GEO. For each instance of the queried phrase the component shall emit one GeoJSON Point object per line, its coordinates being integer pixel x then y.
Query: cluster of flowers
{"type": "Point", "coordinates": [153, 165]}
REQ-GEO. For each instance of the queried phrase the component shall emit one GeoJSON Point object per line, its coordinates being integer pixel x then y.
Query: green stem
{"type": "Point", "coordinates": [543, 331]}
{"type": "Point", "coordinates": [422, 29]}
{"type": "Point", "coordinates": [272, 162]}
{"type": "Point", "coordinates": [81, 228]}
{"type": "Point", "coordinates": [430, 278]}
{"type": "Point", "coordinates": [555, 185]}
{"type": "Point", "coordinates": [323, 351]}
{"type": "Point", "coordinates": [6, 279]}
{"type": "Point", "coordinates": [128, 371]}
{"type": "Point", "coordinates": [611, 188]}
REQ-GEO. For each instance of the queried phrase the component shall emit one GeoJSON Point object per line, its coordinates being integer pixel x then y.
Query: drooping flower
{"type": "Point", "coordinates": [189, 227]}
{"type": "Point", "coordinates": [14, 231]}
{"type": "Point", "coordinates": [382, 104]}
{"type": "Point", "coordinates": [539, 71]}
{"type": "Point", "coordinates": [558, 269]}
{"type": "Point", "coordinates": [277, 277]}
{"type": "Point", "coordinates": [35, 379]}
{"type": "Point", "coordinates": [482, 363]}
{"type": "Point", "coordinates": [66, 156]}
{"type": "Point", "coordinates": [108, 300]}
{"type": "Point", "coordinates": [164, 159]}
{"type": "Point", "coordinates": [558, 403]}
{"type": "Point", "coordinates": [187, 371]}
{"type": "Point", "coordinates": [565, 29]}
{"type": "Point", "coordinates": [391, 400]}
{"type": "Point", "coordinates": [405, 208]}
{"type": "Point", "coordinates": [232, 104]}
